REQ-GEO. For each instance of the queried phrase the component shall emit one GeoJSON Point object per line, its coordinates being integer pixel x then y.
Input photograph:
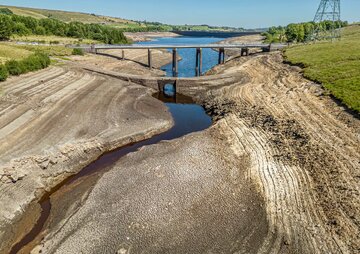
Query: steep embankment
{"type": "Point", "coordinates": [304, 152]}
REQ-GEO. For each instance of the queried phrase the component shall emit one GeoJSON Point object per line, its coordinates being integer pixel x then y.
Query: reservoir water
{"type": "Point", "coordinates": [188, 56]}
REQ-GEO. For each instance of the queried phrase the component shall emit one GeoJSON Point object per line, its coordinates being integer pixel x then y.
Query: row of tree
{"type": "Point", "coordinates": [151, 28]}
{"type": "Point", "coordinates": [300, 32]}
{"type": "Point", "coordinates": [33, 62]}
{"type": "Point", "coordinates": [20, 25]}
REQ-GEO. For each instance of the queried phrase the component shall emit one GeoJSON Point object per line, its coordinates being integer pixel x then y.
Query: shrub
{"type": "Point", "coordinates": [20, 29]}
{"type": "Point", "coordinates": [3, 73]}
{"type": "Point", "coordinates": [34, 62]}
{"type": "Point", "coordinates": [15, 67]}
{"type": "Point", "coordinates": [78, 52]}
{"type": "Point", "coordinates": [39, 30]}
{"type": "Point", "coordinates": [6, 11]}
{"type": "Point", "coordinates": [5, 27]}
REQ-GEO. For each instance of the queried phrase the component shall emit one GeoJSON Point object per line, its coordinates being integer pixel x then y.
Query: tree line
{"type": "Point", "coordinates": [148, 28]}
{"type": "Point", "coordinates": [11, 24]}
{"type": "Point", "coordinates": [300, 32]}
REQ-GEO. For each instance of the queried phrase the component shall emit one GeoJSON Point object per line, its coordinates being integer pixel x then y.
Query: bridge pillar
{"type": "Point", "coordinates": [266, 49]}
{"type": "Point", "coordinates": [221, 55]}
{"type": "Point", "coordinates": [149, 59]}
{"type": "Point", "coordinates": [175, 63]}
{"type": "Point", "coordinates": [93, 49]}
{"type": "Point", "coordinates": [198, 68]}
{"type": "Point", "coordinates": [244, 51]}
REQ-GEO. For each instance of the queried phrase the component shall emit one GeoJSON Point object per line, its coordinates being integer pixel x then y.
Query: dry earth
{"type": "Point", "coordinates": [250, 39]}
{"type": "Point", "coordinates": [148, 36]}
{"type": "Point", "coordinates": [277, 173]}
{"type": "Point", "coordinates": [56, 121]}
{"type": "Point", "coordinates": [304, 152]}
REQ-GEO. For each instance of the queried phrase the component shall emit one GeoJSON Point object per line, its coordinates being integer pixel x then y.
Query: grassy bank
{"type": "Point", "coordinates": [8, 52]}
{"type": "Point", "coordinates": [20, 59]}
{"type": "Point", "coordinates": [52, 39]}
{"type": "Point", "coordinates": [336, 65]}
{"type": "Point", "coordinates": [33, 62]}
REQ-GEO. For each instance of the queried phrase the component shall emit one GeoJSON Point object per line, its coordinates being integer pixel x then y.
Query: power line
{"type": "Point", "coordinates": [327, 20]}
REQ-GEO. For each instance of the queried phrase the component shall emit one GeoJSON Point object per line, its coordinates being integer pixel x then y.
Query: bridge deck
{"type": "Point", "coordinates": [177, 46]}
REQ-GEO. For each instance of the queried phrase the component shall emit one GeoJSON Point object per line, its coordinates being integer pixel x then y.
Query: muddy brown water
{"type": "Point", "coordinates": [188, 117]}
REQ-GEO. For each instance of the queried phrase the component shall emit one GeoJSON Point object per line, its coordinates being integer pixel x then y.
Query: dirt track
{"type": "Point", "coordinates": [278, 173]}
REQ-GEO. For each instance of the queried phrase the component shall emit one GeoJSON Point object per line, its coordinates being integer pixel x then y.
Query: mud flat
{"type": "Point", "coordinates": [280, 166]}
{"type": "Point", "coordinates": [163, 198]}
{"type": "Point", "coordinates": [278, 172]}
{"type": "Point", "coordinates": [55, 122]}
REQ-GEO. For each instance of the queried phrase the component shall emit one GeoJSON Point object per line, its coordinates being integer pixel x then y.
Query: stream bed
{"type": "Point", "coordinates": [187, 115]}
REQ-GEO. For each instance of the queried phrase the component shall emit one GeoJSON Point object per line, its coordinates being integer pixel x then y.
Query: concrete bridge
{"type": "Point", "coordinates": [244, 49]}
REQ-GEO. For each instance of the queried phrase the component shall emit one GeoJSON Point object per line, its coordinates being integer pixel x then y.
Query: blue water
{"type": "Point", "coordinates": [187, 64]}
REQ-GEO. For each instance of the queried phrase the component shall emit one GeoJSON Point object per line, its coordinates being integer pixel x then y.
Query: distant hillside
{"type": "Point", "coordinates": [123, 24]}
{"type": "Point", "coordinates": [66, 16]}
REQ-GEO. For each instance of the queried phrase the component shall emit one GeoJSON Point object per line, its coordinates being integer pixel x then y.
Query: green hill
{"type": "Point", "coordinates": [66, 16]}
{"type": "Point", "coordinates": [125, 25]}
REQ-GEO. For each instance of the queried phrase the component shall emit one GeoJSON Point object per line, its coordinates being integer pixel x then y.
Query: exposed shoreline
{"type": "Point", "coordinates": [45, 171]}
{"type": "Point", "coordinates": [264, 154]}
{"type": "Point", "coordinates": [148, 36]}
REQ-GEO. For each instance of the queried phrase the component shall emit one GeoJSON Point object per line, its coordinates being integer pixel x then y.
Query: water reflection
{"type": "Point", "coordinates": [169, 90]}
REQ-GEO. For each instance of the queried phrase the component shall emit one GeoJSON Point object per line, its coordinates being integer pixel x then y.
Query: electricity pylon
{"type": "Point", "coordinates": [329, 11]}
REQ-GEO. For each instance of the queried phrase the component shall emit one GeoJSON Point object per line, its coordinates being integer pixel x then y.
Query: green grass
{"type": "Point", "coordinates": [66, 16]}
{"type": "Point", "coordinates": [336, 65]}
{"type": "Point", "coordinates": [51, 39]}
{"type": "Point", "coordinates": [50, 50]}
{"type": "Point", "coordinates": [26, 12]}
{"type": "Point", "coordinates": [8, 52]}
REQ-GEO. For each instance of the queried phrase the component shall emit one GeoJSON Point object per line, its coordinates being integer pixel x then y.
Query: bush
{"type": "Point", "coordinates": [15, 67]}
{"type": "Point", "coordinates": [5, 27]}
{"type": "Point", "coordinates": [34, 62]}
{"type": "Point", "coordinates": [20, 29]}
{"type": "Point", "coordinates": [3, 73]}
{"type": "Point", "coordinates": [78, 52]}
{"type": "Point", "coordinates": [6, 11]}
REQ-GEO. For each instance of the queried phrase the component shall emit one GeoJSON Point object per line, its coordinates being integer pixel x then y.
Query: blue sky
{"type": "Point", "coordinates": [238, 13]}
